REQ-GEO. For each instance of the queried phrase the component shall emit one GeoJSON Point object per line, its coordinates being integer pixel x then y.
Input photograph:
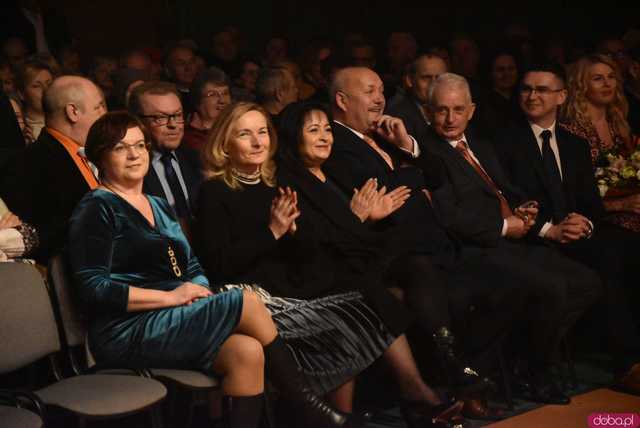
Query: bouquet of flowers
{"type": "Point", "coordinates": [618, 174]}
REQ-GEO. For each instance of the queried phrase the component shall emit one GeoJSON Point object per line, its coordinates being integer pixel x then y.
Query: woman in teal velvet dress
{"type": "Point", "coordinates": [148, 301]}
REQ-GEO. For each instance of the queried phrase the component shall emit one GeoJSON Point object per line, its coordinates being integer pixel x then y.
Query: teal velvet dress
{"type": "Point", "coordinates": [112, 246]}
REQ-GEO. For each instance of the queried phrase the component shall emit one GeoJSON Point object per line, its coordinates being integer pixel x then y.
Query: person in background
{"type": "Point", "coordinates": [32, 79]}
{"type": "Point", "coordinates": [209, 95]}
{"type": "Point", "coordinates": [596, 110]}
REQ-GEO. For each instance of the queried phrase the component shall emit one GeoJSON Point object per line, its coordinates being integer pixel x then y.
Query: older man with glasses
{"type": "Point", "coordinates": [174, 171]}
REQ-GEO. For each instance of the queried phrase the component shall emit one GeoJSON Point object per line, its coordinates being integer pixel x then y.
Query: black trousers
{"type": "Point", "coordinates": [556, 290]}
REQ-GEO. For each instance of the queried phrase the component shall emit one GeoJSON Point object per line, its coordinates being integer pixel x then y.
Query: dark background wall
{"type": "Point", "coordinates": [109, 26]}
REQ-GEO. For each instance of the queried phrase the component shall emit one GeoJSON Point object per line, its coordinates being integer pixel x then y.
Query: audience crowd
{"type": "Point", "coordinates": [293, 217]}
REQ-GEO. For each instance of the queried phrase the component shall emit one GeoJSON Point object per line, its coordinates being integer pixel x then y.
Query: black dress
{"type": "Point", "coordinates": [333, 336]}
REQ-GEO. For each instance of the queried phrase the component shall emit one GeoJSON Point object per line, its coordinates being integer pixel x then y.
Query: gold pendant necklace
{"type": "Point", "coordinates": [174, 262]}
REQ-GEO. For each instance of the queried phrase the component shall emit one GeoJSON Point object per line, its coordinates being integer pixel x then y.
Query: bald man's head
{"type": "Point", "coordinates": [357, 97]}
{"type": "Point", "coordinates": [71, 105]}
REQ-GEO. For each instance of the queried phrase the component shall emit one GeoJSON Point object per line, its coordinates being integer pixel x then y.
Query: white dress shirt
{"type": "Point", "coordinates": [415, 149]}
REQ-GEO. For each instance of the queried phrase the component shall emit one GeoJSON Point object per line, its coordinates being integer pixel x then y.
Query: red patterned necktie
{"type": "Point", "coordinates": [463, 149]}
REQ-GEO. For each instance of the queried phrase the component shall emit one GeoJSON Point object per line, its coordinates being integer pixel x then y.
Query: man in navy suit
{"type": "Point", "coordinates": [174, 173]}
{"type": "Point", "coordinates": [554, 167]}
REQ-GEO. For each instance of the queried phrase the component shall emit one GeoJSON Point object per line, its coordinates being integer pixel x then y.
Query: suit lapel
{"type": "Point", "coordinates": [568, 171]}
{"type": "Point", "coordinates": [446, 149]}
{"type": "Point", "coordinates": [151, 184]}
{"type": "Point", "coordinates": [534, 156]}
{"type": "Point", "coordinates": [363, 147]}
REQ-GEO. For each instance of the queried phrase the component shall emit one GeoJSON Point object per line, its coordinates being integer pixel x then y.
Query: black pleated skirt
{"type": "Point", "coordinates": [332, 338]}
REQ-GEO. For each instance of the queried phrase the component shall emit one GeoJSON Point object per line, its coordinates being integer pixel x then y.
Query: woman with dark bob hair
{"type": "Point", "coordinates": [149, 301]}
{"type": "Point", "coordinates": [249, 230]}
{"type": "Point", "coordinates": [343, 229]}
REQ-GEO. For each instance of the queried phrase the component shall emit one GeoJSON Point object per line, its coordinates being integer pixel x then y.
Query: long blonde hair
{"type": "Point", "coordinates": [575, 109]}
{"type": "Point", "coordinates": [215, 153]}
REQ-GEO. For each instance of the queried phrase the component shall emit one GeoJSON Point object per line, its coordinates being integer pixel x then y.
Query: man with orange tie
{"type": "Point", "coordinates": [478, 205]}
{"type": "Point", "coordinates": [56, 173]}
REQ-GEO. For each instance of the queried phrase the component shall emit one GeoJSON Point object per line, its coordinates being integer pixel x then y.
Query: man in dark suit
{"type": "Point", "coordinates": [56, 175]}
{"type": "Point", "coordinates": [478, 205]}
{"type": "Point", "coordinates": [554, 167]}
{"type": "Point", "coordinates": [358, 103]}
{"type": "Point", "coordinates": [174, 172]}
{"type": "Point", "coordinates": [412, 106]}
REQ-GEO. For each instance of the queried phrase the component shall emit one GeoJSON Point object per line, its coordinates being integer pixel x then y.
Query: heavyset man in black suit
{"type": "Point", "coordinates": [357, 99]}
{"type": "Point", "coordinates": [554, 167]}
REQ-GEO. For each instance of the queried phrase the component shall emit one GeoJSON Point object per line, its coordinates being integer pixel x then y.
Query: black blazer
{"type": "Point", "coordinates": [408, 110]}
{"type": "Point", "coordinates": [341, 252]}
{"type": "Point", "coordinates": [54, 185]}
{"type": "Point", "coordinates": [518, 151]}
{"type": "Point", "coordinates": [190, 169]}
{"type": "Point", "coordinates": [465, 203]}
{"type": "Point", "coordinates": [353, 161]}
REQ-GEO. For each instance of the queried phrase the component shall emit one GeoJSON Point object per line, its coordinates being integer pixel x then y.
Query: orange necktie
{"type": "Point", "coordinates": [377, 148]}
{"type": "Point", "coordinates": [463, 149]}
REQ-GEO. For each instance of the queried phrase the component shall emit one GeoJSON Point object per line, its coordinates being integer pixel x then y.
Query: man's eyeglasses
{"type": "Point", "coordinates": [163, 119]}
{"type": "Point", "coordinates": [527, 90]}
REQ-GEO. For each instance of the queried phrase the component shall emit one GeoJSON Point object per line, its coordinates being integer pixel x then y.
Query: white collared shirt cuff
{"type": "Point", "coordinates": [505, 227]}
{"type": "Point", "coordinates": [544, 229]}
{"type": "Point", "coordinates": [415, 149]}
{"type": "Point", "coordinates": [592, 229]}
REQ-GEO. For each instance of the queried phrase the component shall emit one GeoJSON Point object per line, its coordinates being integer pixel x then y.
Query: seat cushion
{"type": "Point", "coordinates": [12, 417]}
{"type": "Point", "coordinates": [103, 395]}
{"type": "Point", "coordinates": [187, 378]}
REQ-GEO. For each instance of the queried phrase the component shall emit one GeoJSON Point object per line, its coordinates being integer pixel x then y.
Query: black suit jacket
{"type": "Point", "coordinates": [408, 110]}
{"type": "Point", "coordinates": [54, 186]}
{"type": "Point", "coordinates": [353, 161]}
{"type": "Point", "coordinates": [520, 156]}
{"type": "Point", "coordinates": [466, 205]}
{"type": "Point", "coordinates": [189, 167]}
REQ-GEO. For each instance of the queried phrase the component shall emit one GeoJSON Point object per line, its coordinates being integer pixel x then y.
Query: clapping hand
{"type": "Point", "coordinates": [284, 212]}
{"type": "Point", "coordinates": [387, 203]}
{"type": "Point", "coordinates": [363, 200]}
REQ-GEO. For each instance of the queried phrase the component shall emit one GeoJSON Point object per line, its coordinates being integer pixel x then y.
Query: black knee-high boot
{"type": "Point", "coordinates": [242, 412]}
{"type": "Point", "coordinates": [283, 372]}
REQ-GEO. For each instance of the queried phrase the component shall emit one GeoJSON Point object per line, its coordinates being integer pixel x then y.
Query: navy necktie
{"type": "Point", "coordinates": [181, 203]}
{"type": "Point", "coordinates": [556, 189]}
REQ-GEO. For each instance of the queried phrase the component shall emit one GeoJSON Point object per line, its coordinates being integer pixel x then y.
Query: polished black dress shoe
{"type": "Point", "coordinates": [462, 377]}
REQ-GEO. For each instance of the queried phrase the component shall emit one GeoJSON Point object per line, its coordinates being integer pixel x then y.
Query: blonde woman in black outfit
{"type": "Point", "coordinates": [248, 230]}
